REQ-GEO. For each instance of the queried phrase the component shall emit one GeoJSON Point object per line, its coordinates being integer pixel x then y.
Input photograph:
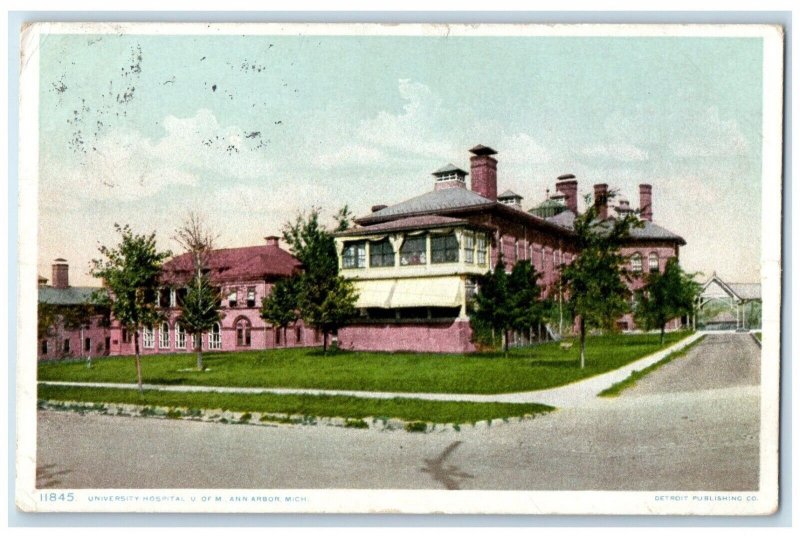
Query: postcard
{"type": "Point", "coordinates": [412, 268]}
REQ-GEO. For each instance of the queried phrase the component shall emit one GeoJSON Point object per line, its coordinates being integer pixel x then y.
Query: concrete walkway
{"type": "Point", "coordinates": [578, 394]}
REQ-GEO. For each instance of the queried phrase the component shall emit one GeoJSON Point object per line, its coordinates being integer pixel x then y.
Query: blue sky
{"type": "Point", "coordinates": [250, 130]}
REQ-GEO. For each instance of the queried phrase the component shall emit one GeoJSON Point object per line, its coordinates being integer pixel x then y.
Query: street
{"type": "Point", "coordinates": [691, 425]}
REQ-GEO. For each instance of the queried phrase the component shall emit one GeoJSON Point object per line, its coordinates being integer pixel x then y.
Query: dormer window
{"type": "Point", "coordinates": [450, 176]}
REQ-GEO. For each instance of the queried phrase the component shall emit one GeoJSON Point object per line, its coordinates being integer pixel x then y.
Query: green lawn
{"type": "Point", "coordinates": [531, 368]}
{"type": "Point", "coordinates": [298, 404]}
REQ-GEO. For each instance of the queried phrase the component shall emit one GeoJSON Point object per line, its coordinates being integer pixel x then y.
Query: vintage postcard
{"type": "Point", "coordinates": [364, 268]}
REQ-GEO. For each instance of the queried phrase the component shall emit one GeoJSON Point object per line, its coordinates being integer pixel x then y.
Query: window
{"type": "Point", "coordinates": [636, 263]}
{"type": "Point", "coordinates": [251, 297]}
{"type": "Point", "coordinates": [180, 336]}
{"type": "Point", "coordinates": [163, 336]}
{"type": "Point", "coordinates": [470, 289]}
{"type": "Point", "coordinates": [381, 254]}
{"type": "Point", "coordinates": [215, 337]}
{"type": "Point", "coordinates": [413, 251]}
{"type": "Point", "coordinates": [66, 346]}
{"type": "Point", "coordinates": [277, 336]}
{"type": "Point", "coordinates": [126, 336]}
{"type": "Point", "coordinates": [444, 248]}
{"type": "Point", "coordinates": [469, 248]}
{"type": "Point", "coordinates": [44, 347]}
{"type": "Point", "coordinates": [148, 338]}
{"type": "Point", "coordinates": [543, 258]}
{"type": "Point", "coordinates": [516, 250]}
{"type": "Point", "coordinates": [232, 299]}
{"type": "Point", "coordinates": [164, 297]}
{"type": "Point", "coordinates": [87, 344]}
{"type": "Point", "coordinates": [180, 296]}
{"type": "Point", "coordinates": [481, 241]}
{"type": "Point", "coordinates": [243, 333]}
{"type": "Point", "coordinates": [355, 255]}
{"type": "Point", "coordinates": [298, 334]}
{"type": "Point", "coordinates": [652, 262]}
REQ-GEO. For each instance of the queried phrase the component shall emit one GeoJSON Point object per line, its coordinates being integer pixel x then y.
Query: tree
{"type": "Point", "coordinates": [526, 306]}
{"type": "Point", "coordinates": [325, 300]}
{"type": "Point", "coordinates": [130, 274]}
{"type": "Point", "coordinates": [492, 307]}
{"type": "Point", "coordinates": [595, 282]}
{"type": "Point", "coordinates": [280, 307]}
{"type": "Point", "coordinates": [201, 307]}
{"type": "Point", "coordinates": [507, 302]}
{"type": "Point", "coordinates": [665, 296]}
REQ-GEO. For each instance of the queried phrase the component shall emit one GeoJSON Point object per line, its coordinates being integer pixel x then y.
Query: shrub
{"type": "Point", "coordinates": [356, 423]}
{"type": "Point", "coordinates": [416, 427]}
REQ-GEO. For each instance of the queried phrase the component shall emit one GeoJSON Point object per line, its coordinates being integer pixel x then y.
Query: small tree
{"type": "Point", "coordinates": [280, 307]}
{"type": "Point", "coordinates": [492, 307]}
{"type": "Point", "coordinates": [526, 306]}
{"type": "Point", "coordinates": [665, 296]}
{"type": "Point", "coordinates": [201, 307]}
{"type": "Point", "coordinates": [595, 282]}
{"type": "Point", "coordinates": [130, 274]}
{"type": "Point", "coordinates": [507, 302]}
{"type": "Point", "coordinates": [325, 300]}
{"type": "Point", "coordinates": [200, 311]}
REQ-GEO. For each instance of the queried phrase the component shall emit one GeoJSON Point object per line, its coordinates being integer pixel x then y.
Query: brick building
{"type": "Point", "coordinates": [415, 263]}
{"type": "Point", "coordinates": [243, 277]}
{"type": "Point", "coordinates": [73, 329]}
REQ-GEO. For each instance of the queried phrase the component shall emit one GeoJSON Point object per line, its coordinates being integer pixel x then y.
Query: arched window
{"type": "Point", "coordinates": [243, 332]}
{"type": "Point", "coordinates": [180, 336]}
{"type": "Point", "coordinates": [148, 338]}
{"type": "Point", "coordinates": [215, 337]}
{"type": "Point", "coordinates": [636, 263]}
{"type": "Point", "coordinates": [163, 336]}
{"type": "Point", "coordinates": [652, 262]}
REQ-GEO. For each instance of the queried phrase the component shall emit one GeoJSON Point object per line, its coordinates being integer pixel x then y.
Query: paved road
{"type": "Point", "coordinates": [692, 425]}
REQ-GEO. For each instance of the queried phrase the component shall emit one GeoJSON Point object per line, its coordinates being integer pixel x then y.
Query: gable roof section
{"type": "Point", "coordinates": [73, 295]}
{"type": "Point", "coordinates": [243, 263]}
{"type": "Point", "coordinates": [741, 291]}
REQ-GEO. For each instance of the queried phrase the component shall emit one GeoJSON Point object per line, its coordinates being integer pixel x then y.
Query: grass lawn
{"type": "Point", "coordinates": [316, 406]}
{"type": "Point", "coordinates": [531, 368]}
{"type": "Point", "coordinates": [757, 335]}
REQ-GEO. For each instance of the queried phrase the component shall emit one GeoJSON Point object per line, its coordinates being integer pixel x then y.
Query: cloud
{"type": "Point", "coordinates": [414, 127]}
{"type": "Point", "coordinates": [710, 136]}
{"type": "Point", "coordinates": [352, 155]}
{"type": "Point", "coordinates": [124, 164]}
{"type": "Point", "coordinates": [623, 151]}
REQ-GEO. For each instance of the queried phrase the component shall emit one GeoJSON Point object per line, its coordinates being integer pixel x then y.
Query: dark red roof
{"type": "Point", "coordinates": [243, 263]}
{"type": "Point", "coordinates": [423, 221]}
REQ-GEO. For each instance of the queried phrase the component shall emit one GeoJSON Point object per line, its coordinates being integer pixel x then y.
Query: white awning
{"type": "Point", "coordinates": [409, 292]}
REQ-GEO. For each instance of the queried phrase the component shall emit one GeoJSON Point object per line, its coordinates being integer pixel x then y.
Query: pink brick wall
{"type": "Point", "coordinates": [436, 338]}
{"type": "Point", "coordinates": [96, 333]}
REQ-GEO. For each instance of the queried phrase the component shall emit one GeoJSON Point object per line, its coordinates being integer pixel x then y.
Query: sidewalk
{"type": "Point", "coordinates": [576, 394]}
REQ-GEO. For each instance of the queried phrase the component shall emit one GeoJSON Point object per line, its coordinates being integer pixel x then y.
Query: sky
{"type": "Point", "coordinates": [248, 131]}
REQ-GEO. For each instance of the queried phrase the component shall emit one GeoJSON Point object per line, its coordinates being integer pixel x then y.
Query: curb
{"type": "Point", "coordinates": [245, 418]}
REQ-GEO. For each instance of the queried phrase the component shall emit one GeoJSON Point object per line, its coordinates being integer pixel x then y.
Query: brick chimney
{"type": "Point", "coordinates": [646, 202]}
{"type": "Point", "coordinates": [484, 172]}
{"type": "Point", "coordinates": [568, 186]}
{"type": "Point", "coordinates": [60, 273]}
{"type": "Point", "coordinates": [272, 240]}
{"type": "Point", "coordinates": [601, 200]}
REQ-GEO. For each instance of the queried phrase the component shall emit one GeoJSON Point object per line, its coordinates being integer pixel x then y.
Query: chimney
{"type": "Point", "coordinates": [272, 240]}
{"type": "Point", "coordinates": [484, 172]}
{"type": "Point", "coordinates": [60, 273]}
{"type": "Point", "coordinates": [601, 200]}
{"type": "Point", "coordinates": [568, 186]}
{"type": "Point", "coordinates": [624, 207]}
{"type": "Point", "coordinates": [646, 202]}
